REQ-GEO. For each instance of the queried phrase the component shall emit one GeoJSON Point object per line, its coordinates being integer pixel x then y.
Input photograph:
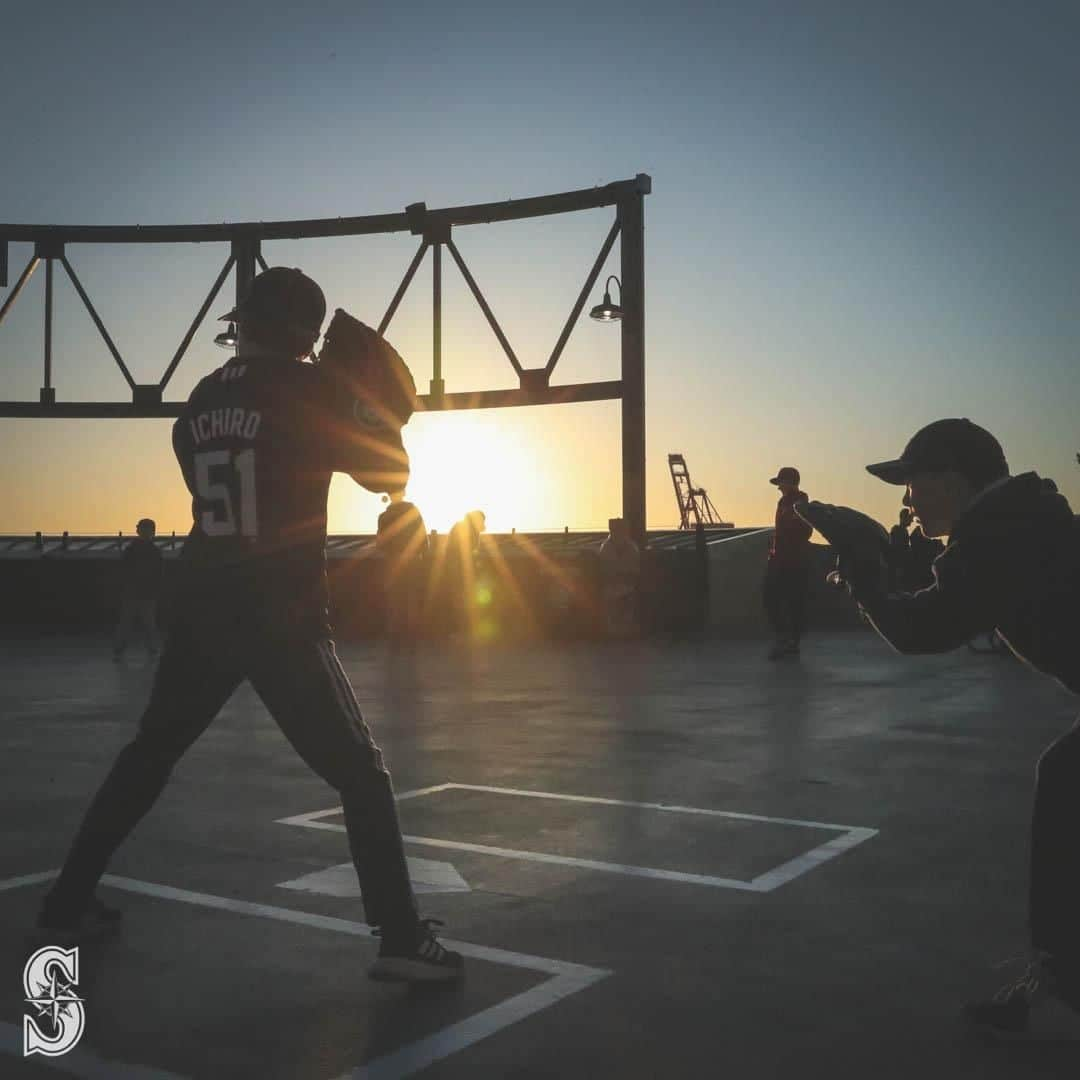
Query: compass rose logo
{"type": "Point", "coordinates": [48, 979]}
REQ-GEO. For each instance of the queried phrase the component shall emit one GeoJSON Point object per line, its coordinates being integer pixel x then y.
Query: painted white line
{"type": "Point", "coordinates": [309, 819]}
{"type": "Point", "coordinates": [564, 979]}
{"type": "Point", "coordinates": [328, 922]}
{"type": "Point", "coordinates": [239, 907]}
{"type": "Point", "coordinates": [851, 835]}
{"type": "Point", "coordinates": [671, 808]}
{"type": "Point", "coordinates": [81, 1062]}
{"type": "Point", "coordinates": [587, 864]}
{"type": "Point", "coordinates": [802, 864]}
{"type": "Point", "coordinates": [665, 807]}
{"type": "Point", "coordinates": [426, 875]}
{"type": "Point", "coordinates": [314, 815]}
{"type": "Point", "coordinates": [27, 879]}
{"type": "Point", "coordinates": [401, 796]}
{"type": "Point", "coordinates": [420, 1055]}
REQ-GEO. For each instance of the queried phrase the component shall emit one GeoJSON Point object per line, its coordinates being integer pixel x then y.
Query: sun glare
{"type": "Point", "coordinates": [474, 461]}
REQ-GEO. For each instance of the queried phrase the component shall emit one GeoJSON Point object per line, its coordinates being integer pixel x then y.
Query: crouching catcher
{"type": "Point", "coordinates": [1011, 565]}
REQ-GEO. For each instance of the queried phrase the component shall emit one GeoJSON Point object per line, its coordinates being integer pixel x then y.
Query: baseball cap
{"type": "Point", "coordinates": [787, 475]}
{"type": "Point", "coordinates": [284, 296]}
{"type": "Point", "coordinates": [943, 446]}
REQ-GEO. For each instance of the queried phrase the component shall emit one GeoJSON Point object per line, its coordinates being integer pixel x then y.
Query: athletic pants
{"type": "Point", "coordinates": [140, 611]}
{"type": "Point", "coordinates": [784, 594]}
{"type": "Point", "coordinates": [1055, 855]}
{"type": "Point", "coordinates": [303, 686]}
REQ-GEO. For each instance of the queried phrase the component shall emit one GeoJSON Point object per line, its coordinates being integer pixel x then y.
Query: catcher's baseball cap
{"type": "Point", "coordinates": [944, 446]}
{"type": "Point", "coordinates": [284, 296]}
{"type": "Point", "coordinates": [787, 475]}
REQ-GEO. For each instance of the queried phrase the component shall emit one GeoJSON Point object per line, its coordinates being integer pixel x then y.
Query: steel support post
{"type": "Point", "coordinates": [438, 387]}
{"type": "Point", "coordinates": [245, 249]}
{"type": "Point", "coordinates": [48, 395]}
{"type": "Point", "coordinates": [24, 277]}
{"type": "Point", "coordinates": [632, 279]}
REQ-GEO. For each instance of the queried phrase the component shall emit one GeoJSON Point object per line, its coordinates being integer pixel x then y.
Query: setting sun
{"type": "Point", "coordinates": [470, 461]}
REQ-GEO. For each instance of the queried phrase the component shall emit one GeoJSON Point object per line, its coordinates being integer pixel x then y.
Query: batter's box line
{"type": "Point", "coordinates": [849, 836]}
{"type": "Point", "coordinates": [564, 979]}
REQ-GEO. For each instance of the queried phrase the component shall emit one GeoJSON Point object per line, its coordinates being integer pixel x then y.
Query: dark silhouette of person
{"type": "Point", "coordinates": [900, 550]}
{"type": "Point", "coordinates": [461, 567]}
{"type": "Point", "coordinates": [141, 570]}
{"type": "Point", "coordinates": [620, 574]}
{"type": "Point", "coordinates": [787, 574]}
{"type": "Point", "coordinates": [402, 544]}
{"type": "Point", "coordinates": [1011, 565]}
{"type": "Point", "coordinates": [257, 443]}
{"type": "Point", "coordinates": [911, 555]}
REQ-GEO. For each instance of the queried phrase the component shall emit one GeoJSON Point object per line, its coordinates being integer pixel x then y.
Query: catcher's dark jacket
{"type": "Point", "coordinates": [257, 443]}
{"type": "Point", "coordinates": [1012, 564]}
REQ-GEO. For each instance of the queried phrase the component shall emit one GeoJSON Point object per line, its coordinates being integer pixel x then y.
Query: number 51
{"type": "Point", "coordinates": [241, 475]}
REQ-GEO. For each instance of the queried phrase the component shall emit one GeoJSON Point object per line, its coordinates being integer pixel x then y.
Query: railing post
{"type": "Point", "coordinates": [438, 385]}
{"type": "Point", "coordinates": [632, 279]}
{"type": "Point", "coordinates": [245, 249]}
{"type": "Point", "coordinates": [48, 250]}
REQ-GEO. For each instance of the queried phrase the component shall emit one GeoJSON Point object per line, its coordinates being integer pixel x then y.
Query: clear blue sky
{"type": "Point", "coordinates": [865, 216]}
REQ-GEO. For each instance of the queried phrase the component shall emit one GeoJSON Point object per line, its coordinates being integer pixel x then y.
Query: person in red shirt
{"type": "Point", "coordinates": [787, 573]}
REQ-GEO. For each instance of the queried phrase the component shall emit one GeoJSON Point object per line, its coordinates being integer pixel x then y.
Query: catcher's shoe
{"type": "Point", "coordinates": [417, 958]}
{"type": "Point", "coordinates": [1040, 992]}
{"type": "Point", "coordinates": [58, 926]}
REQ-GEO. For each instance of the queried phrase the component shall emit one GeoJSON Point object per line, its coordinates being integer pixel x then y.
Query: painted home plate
{"type": "Point", "coordinates": [428, 876]}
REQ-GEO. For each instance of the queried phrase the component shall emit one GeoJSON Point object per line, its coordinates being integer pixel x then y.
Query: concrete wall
{"type": "Point", "coordinates": [558, 595]}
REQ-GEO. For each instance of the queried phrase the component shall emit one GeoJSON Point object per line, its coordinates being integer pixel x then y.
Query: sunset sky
{"type": "Point", "coordinates": [864, 217]}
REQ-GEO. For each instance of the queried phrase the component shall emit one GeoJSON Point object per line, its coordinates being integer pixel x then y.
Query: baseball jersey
{"type": "Point", "coordinates": [257, 443]}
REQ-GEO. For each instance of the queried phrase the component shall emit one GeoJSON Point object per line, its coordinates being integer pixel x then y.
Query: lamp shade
{"type": "Point", "coordinates": [606, 311]}
{"type": "Point", "coordinates": [227, 338]}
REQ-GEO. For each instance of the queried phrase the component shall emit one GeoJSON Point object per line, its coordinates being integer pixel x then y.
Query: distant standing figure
{"type": "Point", "coordinates": [620, 569]}
{"type": "Point", "coordinates": [461, 567]}
{"type": "Point", "coordinates": [402, 543]}
{"type": "Point", "coordinates": [787, 573]}
{"type": "Point", "coordinates": [141, 571]}
{"type": "Point", "coordinates": [911, 555]}
{"type": "Point", "coordinates": [900, 550]}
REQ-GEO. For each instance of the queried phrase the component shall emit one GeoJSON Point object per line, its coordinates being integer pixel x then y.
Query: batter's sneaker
{"type": "Point", "coordinates": [417, 958]}
{"type": "Point", "coordinates": [1043, 992]}
{"type": "Point", "coordinates": [58, 926]}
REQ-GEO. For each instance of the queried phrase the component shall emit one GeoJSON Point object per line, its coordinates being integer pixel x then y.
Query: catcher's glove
{"type": "Point", "coordinates": [861, 545]}
{"type": "Point", "coordinates": [370, 371]}
{"type": "Point", "coordinates": [401, 536]}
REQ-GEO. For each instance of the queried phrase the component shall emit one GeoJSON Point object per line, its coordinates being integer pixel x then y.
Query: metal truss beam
{"type": "Point", "coordinates": [478, 399]}
{"type": "Point", "coordinates": [479, 214]}
{"type": "Point", "coordinates": [434, 227]}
